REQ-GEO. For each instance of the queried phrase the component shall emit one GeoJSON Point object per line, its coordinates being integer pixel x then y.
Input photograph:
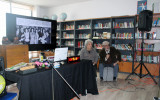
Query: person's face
{"type": "Point", "coordinates": [89, 46]}
{"type": "Point", "coordinates": [106, 47]}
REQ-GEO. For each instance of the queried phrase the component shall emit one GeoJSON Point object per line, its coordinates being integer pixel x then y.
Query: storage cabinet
{"type": "Point", "coordinates": [14, 54]}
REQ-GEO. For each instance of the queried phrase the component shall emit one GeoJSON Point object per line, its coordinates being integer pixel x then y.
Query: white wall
{"type": "Point", "coordinates": [96, 9]}
{"type": "Point", "coordinates": [39, 11]}
{"type": "Point", "coordinates": [156, 5]}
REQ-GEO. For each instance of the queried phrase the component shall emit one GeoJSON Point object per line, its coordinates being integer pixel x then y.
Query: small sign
{"type": "Point", "coordinates": [73, 59]}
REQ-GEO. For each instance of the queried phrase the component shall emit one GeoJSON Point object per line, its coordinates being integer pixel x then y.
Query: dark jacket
{"type": "Point", "coordinates": [115, 56]}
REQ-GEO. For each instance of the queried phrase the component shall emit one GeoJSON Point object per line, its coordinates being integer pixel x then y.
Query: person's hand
{"type": "Point", "coordinates": [114, 64]}
{"type": "Point", "coordinates": [94, 63]}
{"type": "Point", "coordinates": [107, 56]}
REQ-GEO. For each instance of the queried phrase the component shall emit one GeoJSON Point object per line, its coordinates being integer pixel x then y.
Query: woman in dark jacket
{"type": "Point", "coordinates": [109, 57]}
{"type": "Point", "coordinates": [89, 53]}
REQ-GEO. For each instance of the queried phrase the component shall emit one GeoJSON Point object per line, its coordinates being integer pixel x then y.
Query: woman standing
{"type": "Point", "coordinates": [89, 53]}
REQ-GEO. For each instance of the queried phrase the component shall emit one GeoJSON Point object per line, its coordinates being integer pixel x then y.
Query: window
{"type": "Point", "coordinates": [4, 8]}
{"type": "Point", "coordinates": [21, 9]}
{"type": "Point", "coordinates": [16, 8]}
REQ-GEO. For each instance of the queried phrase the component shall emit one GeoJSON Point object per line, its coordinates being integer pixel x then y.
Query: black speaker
{"type": "Point", "coordinates": [2, 72]}
{"type": "Point", "coordinates": [145, 20]}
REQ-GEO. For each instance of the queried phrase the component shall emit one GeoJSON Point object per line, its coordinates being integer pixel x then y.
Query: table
{"type": "Point", "coordinates": [38, 86]}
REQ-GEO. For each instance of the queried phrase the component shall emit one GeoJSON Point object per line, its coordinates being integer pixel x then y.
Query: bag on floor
{"type": "Point", "coordinates": [108, 74]}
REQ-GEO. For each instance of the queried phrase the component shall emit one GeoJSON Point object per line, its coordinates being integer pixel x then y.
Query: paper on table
{"type": "Point", "coordinates": [60, 54]}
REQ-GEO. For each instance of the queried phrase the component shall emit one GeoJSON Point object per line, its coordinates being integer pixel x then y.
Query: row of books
{"type": "Point", "coordinates": [104, 35]}
{"type": "Point", "coordinates": [84, 36]}
{"type": "Point", "coordinates": [69, 43]}
{"type": "Point", "coordinates": [146, 47]}
{"type": "Point", "coordinates": [156, 22]}
{"type": "Point", "coordinates": [149, 59]}
{"type": "Point", "coordinates": [70, 53]}
{"type": "Point", "coordinates": [126, 57]}
{"type": "Point", "coordinates": [66, 35]}
{"type": "Point", "coordinates": [58, 36]}
{"type": "Point", "coordinates": [84, 26]}
{"type": "Point", "coordinates": [58, 42]}
{"type": "Point", "coordinates": [68, 27]}
{"type": "Point", "coordinates": [58, 27]}
{"type": "Point", "coordinates": [146, 35]}
{"type": "Point", "coordinates": [80, 44]}
{"type": "Point", "coordinates": [98, 45]}
{"type": "Point", "coordinates": [102, 25]}
{"type": "Point", "coordinates": [123, 25]}
{"type": "Point", "coordinates": [122, 46]}
{"type": "Point", "coordinates": [123, 36]}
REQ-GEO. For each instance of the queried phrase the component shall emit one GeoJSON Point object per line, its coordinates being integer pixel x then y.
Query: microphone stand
{"type": "Point", "coordinates": [62, 79]}
{"type": "Point", "coordinates": [141, 64]}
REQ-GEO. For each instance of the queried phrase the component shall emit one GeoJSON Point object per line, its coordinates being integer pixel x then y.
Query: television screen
{"type": "Point", "coordinates": [38, 33]}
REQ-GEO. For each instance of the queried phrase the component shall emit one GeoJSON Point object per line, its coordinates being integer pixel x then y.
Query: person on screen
{"type": "Point", "coordinates": [42, 39]}
{"type": "Point", "coordinates": [40, 35]}
{"type": "Point", "coordinates": [47, 37]}
{"type": "Point", "coordinates": [36, 36]}
{"type": "Point", "coordinates": [20, 35]}
{"type": "Point", "coordinates": [88, 52]}
{"type": "Point", "coordinates": [26, 36]}
{"type": "Point", "coordinates": [32, 36]}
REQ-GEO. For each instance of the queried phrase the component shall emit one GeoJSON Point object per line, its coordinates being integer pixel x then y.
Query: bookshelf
{"type": "Point", "coordinates": [101, 31]}
{"type": "Point", "coordinates": [149, 38]}
{"type": "Point", "coordinates": [123, 34]}
{"type": "Point", "coordinates": [83, 31]}
{"type": "Point", "coordinates": [67, 36]}
{"type": "Point", "coordinates": [58, 35]}
{"type": "Point", "coordinates": [120, 31]}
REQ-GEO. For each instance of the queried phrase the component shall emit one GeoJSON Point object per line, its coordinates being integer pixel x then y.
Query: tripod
{"type": "Point", "coordinates": [141, 64]}
{"type": "Point", "coordinates": [62, 79]}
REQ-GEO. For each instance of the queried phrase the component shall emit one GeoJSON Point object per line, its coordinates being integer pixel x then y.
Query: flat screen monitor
{"type": "Point", "coordinates": [38, 33]}
{"type": "Point", "coordinates": [60, 54]}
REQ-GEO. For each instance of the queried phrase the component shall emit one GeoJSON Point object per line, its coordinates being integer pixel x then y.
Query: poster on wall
{"type": "Point", "coordinates": [141, 5]}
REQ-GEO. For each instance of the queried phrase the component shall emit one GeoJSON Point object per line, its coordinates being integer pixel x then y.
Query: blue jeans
{"type": "Point", "coordinates": [101, 67]}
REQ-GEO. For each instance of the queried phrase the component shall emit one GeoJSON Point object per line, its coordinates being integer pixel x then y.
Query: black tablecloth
{"type": "Point", "coordinates": [38, 86]}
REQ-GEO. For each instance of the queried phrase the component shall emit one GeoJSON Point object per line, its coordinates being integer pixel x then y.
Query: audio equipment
{"type": "Point", "coordinates": [145, 20]}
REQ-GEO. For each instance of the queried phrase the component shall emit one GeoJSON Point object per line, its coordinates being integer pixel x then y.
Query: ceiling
{"type": "Point", "coordinates": [48, 3]}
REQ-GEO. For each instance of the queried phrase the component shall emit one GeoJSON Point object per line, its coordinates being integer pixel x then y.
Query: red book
{"type": "Point", "coordinates": [78, 44]}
